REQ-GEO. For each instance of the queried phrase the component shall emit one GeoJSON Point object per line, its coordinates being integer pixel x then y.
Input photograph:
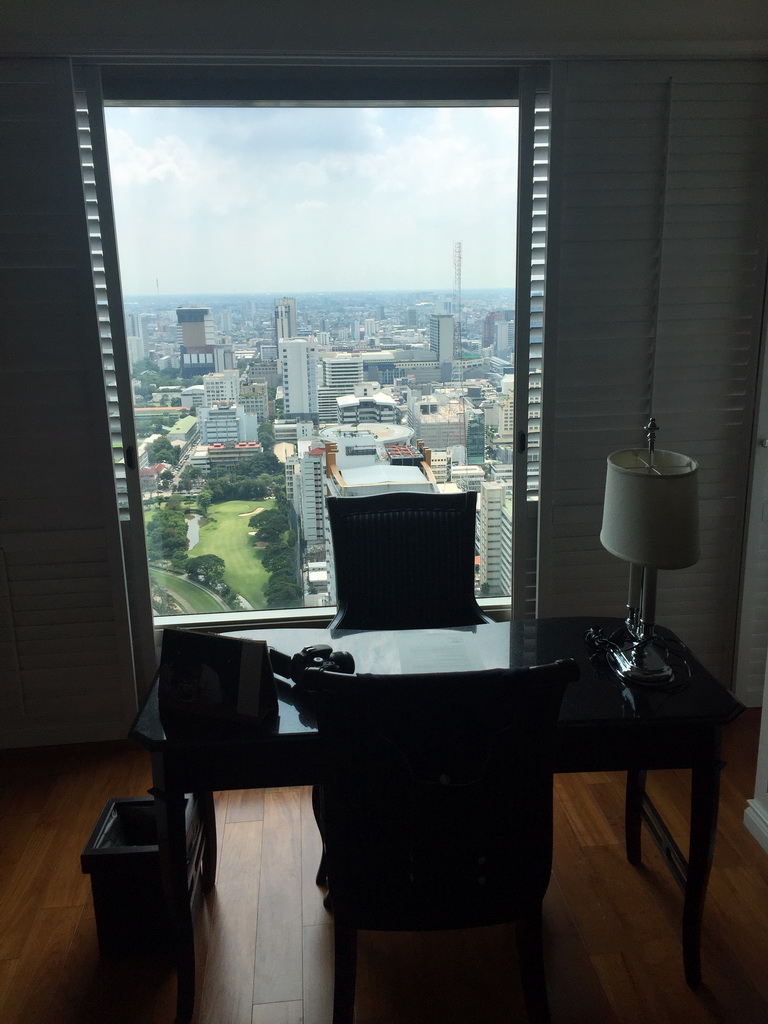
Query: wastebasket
{"type": "Point", "coordinates": [122, 858]}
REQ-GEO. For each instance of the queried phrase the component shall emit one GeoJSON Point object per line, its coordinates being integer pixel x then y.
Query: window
{"type": "Point", "coordinates": [386, 218]}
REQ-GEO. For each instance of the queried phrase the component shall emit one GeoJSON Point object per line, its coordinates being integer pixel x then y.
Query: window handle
{"type": "Point", "coordinates": [130, 457]}
{"type": "Point", "coordinates": [522, 441]}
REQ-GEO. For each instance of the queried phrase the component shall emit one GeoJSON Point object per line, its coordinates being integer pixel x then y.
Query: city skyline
{"type": "Point", "coordinates": [302, 200]}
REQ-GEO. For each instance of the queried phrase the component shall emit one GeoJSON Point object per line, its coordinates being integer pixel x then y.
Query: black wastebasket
{"type": "Point", "coordinates": [122, 858]}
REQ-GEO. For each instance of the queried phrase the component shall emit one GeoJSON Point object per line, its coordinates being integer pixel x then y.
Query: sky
{"type": "Point", "coordinates": [297, 199]}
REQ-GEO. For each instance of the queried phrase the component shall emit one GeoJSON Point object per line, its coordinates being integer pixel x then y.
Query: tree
{"type": "Point", "coordinates": [164, 451]}
{"type": "Point", "coordinates": [270, 525]}
{"type": "Point", "coordinates": [208, 569]}
{"type": "Point", "coordinates": [267, 436]}
{"type": "Point", "coordinates": [204, 500]}
{"type": "Point", "coordinates": [166, 533]}
{"type": "Point", "coordinates": [282, 592]}
{"type": "Point", "coordinates": [166, 477]}
{"type": "Point", "coordinates": [186, 478]}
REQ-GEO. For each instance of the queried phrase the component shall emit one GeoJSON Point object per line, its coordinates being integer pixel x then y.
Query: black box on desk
{"type": "Point", "coordinates": [122, 858]}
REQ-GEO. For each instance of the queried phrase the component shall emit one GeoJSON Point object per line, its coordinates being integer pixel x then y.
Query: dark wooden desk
{"type": "Point", "coordinates": [604, 726]}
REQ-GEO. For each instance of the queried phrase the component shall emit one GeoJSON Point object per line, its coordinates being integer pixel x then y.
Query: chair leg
{"type": "Point", "coordinates": [345, 971]}
{"type": "Point", "coordinates": [321, 878]}
{"type": "Point", "coordinates": [530, 956]}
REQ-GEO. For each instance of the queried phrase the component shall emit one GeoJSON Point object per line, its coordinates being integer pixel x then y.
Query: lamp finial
{"type": "Point", "coordinates": [651, 430]}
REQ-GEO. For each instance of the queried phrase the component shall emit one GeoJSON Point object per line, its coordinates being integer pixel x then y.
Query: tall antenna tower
{"type": "Point", "coordinates": [457, 300]}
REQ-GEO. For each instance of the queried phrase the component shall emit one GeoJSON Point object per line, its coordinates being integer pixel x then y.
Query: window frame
{"type": "Point", "coordinates": [309, 82]}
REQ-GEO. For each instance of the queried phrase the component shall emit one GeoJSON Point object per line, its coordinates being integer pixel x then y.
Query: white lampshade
{"type": "Point", "coordinates": [651, 510]}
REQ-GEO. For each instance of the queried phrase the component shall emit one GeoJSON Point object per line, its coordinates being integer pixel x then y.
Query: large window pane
{"type": "Point", "coordinates": [310, 287]}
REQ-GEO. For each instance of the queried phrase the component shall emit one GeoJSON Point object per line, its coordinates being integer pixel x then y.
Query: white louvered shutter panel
{"type": "Point", "coordinates": [656, 310]}
{"type": "Point", "coordinates": [66, 663]}
{"type": "Point", "coordinates": [533, 202]}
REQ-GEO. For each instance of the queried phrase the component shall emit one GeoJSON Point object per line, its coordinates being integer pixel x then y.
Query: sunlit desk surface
{"type": "Point", "coordinates": [603, 726]}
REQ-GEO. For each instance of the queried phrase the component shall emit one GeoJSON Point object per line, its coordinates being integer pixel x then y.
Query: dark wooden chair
{"type": "Point", "coordinates": [436, 808]}
{"type": "Point", "coordinates": [404, 560]}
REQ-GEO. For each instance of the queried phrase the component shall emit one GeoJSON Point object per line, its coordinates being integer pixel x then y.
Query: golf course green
{"type": "Point", "coordinates": [226, 533]}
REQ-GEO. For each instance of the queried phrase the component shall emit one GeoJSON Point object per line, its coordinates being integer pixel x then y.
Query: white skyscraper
{"type": "Point", "coordinates": [285, 319]}
{"type": "Point", "coordinates": [298, 362]}
{"type": "Point", "coordinates": [441, 341]}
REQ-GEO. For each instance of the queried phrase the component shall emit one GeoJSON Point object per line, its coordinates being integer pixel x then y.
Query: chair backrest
{"type": "Point", "coordinates": [404, 560]}
{"type": "Point", "coordinates": [437, 794]}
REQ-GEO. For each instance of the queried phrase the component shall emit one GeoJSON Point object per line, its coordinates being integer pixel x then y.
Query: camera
{"type": "Point", "coordinates": [316, 657]}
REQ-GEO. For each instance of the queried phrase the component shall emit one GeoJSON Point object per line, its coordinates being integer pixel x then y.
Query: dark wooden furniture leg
{"type": "Point", "coordinates": [530, 956]}
{"type": "Point", "coordinates": [170, 813]}
{"type": "Point", "coordinates": [705, 795]}
{"type": "Point", "coordinates": [210, 849]}
{"type": "Point", "coordinates": [633, 813]}
{"type": "Point", "coordinates": [692, 874]}
{"type": "Point", "coordinates": [345, 977]}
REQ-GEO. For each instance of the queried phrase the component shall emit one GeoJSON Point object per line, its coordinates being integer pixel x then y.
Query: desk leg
{"type": "Point", "coordinates": [170, 814]}
{"type": "Point", "coordinates": [633, 813]}
{"type": "Point", "coordinates": [705, 794]}
{"type": "Point", "coordinates": [210, 852]}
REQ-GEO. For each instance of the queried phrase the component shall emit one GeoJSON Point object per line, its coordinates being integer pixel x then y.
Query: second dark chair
{"type": "Point", "coordinates": [437, 808]}
{"type": "Point", "coordinates": [404, 560]}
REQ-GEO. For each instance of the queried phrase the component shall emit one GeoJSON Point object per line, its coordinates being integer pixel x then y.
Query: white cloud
{"type": "Point", "coordinates": [312, 199]}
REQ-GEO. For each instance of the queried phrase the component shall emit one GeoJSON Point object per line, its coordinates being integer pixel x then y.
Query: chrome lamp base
{"type": "Point", "coordinates": [637, 661]}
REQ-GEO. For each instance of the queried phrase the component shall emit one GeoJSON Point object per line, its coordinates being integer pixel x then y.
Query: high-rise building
{"type": "Point", "coordinates": [298, 360]}
{"type": "Point", "coordinates": [305, 490]}
{"type": "Point", "coordinates": [495, 539]}
{"type": "Point", "coordinates": [441, 329]}
{"type": "Point", "coordinates": [285, 319]}
{"type": "Point", "coordinates": [199, 351]}
{"type": "Point", "coordinates": [221, 388]}
{"type": "Point", "coordinates": [339, 373]}
{"type": "Point", "coordinates": [475, 438]}
{"type": "Point", "coordinates": [227, 425]}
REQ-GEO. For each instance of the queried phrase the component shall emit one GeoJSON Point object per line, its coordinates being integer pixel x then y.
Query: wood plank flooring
{"type": "Point", "coordinates": [264, 939]}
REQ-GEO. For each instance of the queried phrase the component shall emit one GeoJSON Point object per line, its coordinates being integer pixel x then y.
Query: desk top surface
{"type": "Point", "coordinates": [597, 698]}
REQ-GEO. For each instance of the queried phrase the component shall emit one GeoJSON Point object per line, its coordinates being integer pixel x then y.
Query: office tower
{"type": "Point", "coordinates": [228, 425]}
{"type": "Point", "coordinates": [221, 388]}
{"type": "Point", "coordinates": [339, 373]}
{"type": "Point", "coordinates": [366, 405]}
{"type": "Point", "coordinates": [506, 428]}
{"type": "Point", "coordinates": [254, 397]}
{"type": "Point", "coordinates": [495, 539]}
{"type": "Point", "coordinates": [441, 337]}
{"type": "Point", "coordinates": [503, 337]}
{"type": "Point", "coordinates": [195, 329]}
{"type": "Point", "coordinates": [298, 360]}
{"type": "Point", "coordinates": [305, 490]}
{"type": "Point", "coordinates": [475, 438]}
{"type": "Point", "coordinates": [133, 325]}
{"type": "Point", "coordinates": [371, 329]}
{"type": "Point", "coordinates": [135, 350]}
{"type": "Point", "coordinates": [198, 349]}
{"type": "Point", "coordinates": [285, 319]}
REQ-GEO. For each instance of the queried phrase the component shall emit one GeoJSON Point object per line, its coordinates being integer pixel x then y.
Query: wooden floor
{"type": "Point", "coordinates": [612, 931]}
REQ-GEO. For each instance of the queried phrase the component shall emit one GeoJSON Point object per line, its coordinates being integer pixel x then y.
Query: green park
{"type": "Point", "coordinates": [226, 532]}
{"type": "Point", "coordinates": [231, 563]}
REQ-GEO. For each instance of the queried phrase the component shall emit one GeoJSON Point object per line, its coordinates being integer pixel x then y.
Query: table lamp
{"type": "Point", "coordinates": [651, 520]}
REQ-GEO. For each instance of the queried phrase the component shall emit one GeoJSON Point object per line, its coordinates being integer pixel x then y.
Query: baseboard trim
{"type": "Point", "coordinates": [756, 822]}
